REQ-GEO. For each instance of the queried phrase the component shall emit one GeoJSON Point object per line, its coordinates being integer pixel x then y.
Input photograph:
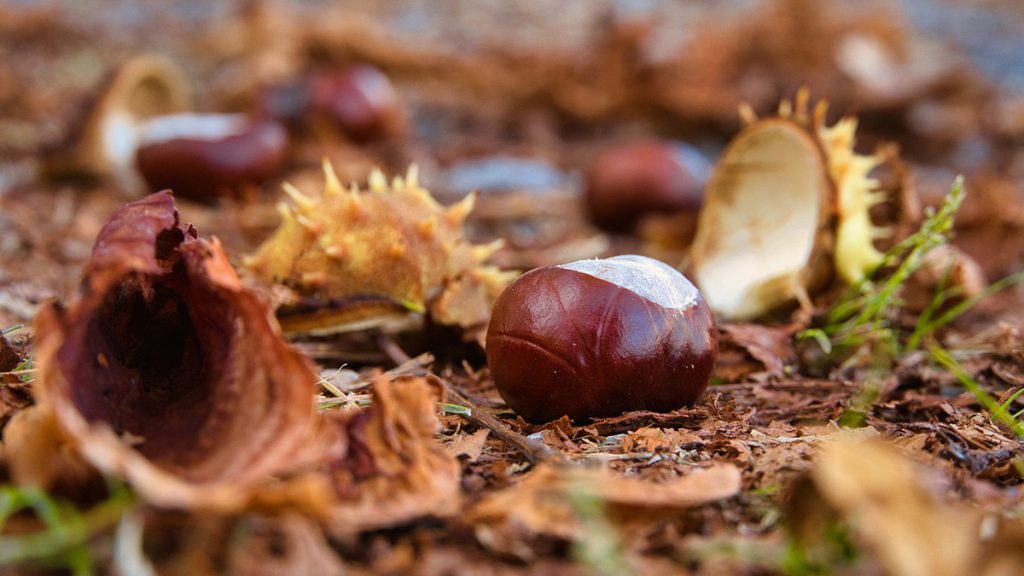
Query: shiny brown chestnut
{"type": "Point", "coordinates": [628, 182]}
{"type": "Point", "coordinates": [600, 337]}
{"type": "Point", "coordinates": [202, 156]}
{"type": "Point", "coordinates": [359, 100]}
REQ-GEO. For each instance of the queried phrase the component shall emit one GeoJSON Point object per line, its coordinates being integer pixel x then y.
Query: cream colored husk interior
{"type": "Point", "coordinates": [758, 227]}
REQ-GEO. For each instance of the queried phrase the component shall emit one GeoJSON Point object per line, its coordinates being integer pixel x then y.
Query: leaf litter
{"type": "Point", "coordinates": [419, 468]}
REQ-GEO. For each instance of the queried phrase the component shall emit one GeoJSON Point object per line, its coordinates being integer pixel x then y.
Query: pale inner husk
{"type": "Point", "coordinates": [758, 227]}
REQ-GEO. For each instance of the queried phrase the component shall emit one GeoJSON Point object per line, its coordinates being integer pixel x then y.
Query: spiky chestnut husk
{"type": "Point", "coordinates": [788, 205]}
{"type": "Point", "coordinates": [354, 258]}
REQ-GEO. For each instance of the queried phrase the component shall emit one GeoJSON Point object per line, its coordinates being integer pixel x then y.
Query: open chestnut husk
{"type": "Point", "coordinates": [165, 371]}
{"type": "Point", "coordinates": [788, 208]}
{"type": "Point", "coordinates": [600, 337]}
{"type": "Point", "coordinates": [203, 156]}
{"type": "Point", "coordinates": [349, 259]}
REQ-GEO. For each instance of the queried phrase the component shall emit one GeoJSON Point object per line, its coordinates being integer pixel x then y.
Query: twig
{"type": "Point", "coordinates": [533, 450]}
{"type": "Point", "coordinates": [392, 350]}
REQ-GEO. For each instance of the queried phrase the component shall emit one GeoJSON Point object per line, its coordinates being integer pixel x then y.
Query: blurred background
{"type": "Point", "coordinates": [518, 100]}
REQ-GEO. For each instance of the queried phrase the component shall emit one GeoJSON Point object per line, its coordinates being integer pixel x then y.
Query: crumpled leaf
{"type": "Point", "coordinates": [883, 496]}
{"type": "Point", "coordinates": [165, 371]}
{"type": "Point", "coordinates": [541, 504]}
{"type": "Point", "coordinates": [167, 543]}
{"type": "Point", "coordinates": [771, 346]}
{"type": "Point", "coordinates": [15, 394]}
{"type": "Point", "coordinates": [378, 467]}
{"type": "Point", "coordinates": [33, 432]}
{"type": "Point", "coordinates": [469, 446]}
{"type": "Point", "coordinates": [9, 357]}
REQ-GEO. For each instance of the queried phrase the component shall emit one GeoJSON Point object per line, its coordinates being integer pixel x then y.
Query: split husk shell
{"type": "Point", "coordinates": [787, 208]}
{"type": "Point", "coordinates": [165, 371]}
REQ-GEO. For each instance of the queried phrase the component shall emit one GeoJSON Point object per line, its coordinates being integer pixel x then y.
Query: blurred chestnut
{"type": "Point", "coordinates": [628, 182]}
{"type": "Point", "coordinates": [600, 337]}
{"type": "Point", "coordinates": [206, 155]}
{"type": "Point", "coordinates": [360, 100]}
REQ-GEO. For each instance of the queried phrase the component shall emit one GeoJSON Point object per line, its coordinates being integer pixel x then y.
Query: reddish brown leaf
{"type": "Point", "coordinates": [378, 467]}
{"type": "Point", "coordinates": [772, 346]}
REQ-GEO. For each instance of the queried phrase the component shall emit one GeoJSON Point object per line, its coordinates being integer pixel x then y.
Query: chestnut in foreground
{"type": "Point", "coordinates": [202, 156]}
{"type": "Point", "coordinates": [628, 182]}
{"type": "Point", "coordinates": [600, 337]}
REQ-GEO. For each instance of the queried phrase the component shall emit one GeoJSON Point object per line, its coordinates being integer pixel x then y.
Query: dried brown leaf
{"type": "Point", "coordinates": [378, 467]}
{"type": "Point", "coordinates": [885, 499]}
{"type": "Point", "coordinates": [171, 543]}
{"type": "Point", "coordinates": [772, 346]}
{"type": "Point", "coordinates": [540, 505]}
{"type": "Point", "coordinates": [469, 445]}
{"type": "Point", "coordinates": [9, 356]}
{"type": "Point", "coordinates": [37, 453]}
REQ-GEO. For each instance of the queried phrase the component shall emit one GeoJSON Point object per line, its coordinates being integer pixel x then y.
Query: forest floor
{"type": "Point", "coordinates": [898, 451]}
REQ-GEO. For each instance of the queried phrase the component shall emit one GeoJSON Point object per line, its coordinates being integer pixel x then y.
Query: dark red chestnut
{"type": "Point", "coordinates": [600, 337]}
{"type": "Point", "coordinates": [625, 183]}
{"type": "Point", "coordinates": [360, 100]}
{"type": "Point", "coordinates": [205, 155]}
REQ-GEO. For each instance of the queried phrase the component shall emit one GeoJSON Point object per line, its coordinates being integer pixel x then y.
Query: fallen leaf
{"type": "Point", "coordinates": [469, 445]}
{"type": "Point", "coordinates": [771, 346]}
{"type": "Point", "coordinates": [9, 356]}
{"type": "Point", "coordinates": [378, 467]}
{"type": "Point", "coordinates": [253, 544]}
{"type": "Point", "coordinates": [540, 505]}
{"type": "Point", "coordinates": [884, 498]}
{"type": "Point", "coordinates": [33, 432]}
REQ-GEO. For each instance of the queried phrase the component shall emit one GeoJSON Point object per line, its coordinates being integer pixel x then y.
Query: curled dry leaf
{"type": "Point", "coordinates": [15, 394]}
{"type": "Point", "coordinates": [378, 467]}
{"type": "Point", "coordinates": [165, 371]}
{"type": "Point", "coordinates": [353, 259]}
{"type": "Point", "coordinates": [945, 268]}
{"type": "Point", "coordinates": [540, 505]}
{"type": "Point", "coordinates": [10, 357]}
{"type": "Point", "coordinates": [170, 543]}
{"type": "Point", "coordinates": [33, 432]}
{"type": "Point", "coordinates": [771, 346]}
{"type": "Point", "coordinates": [787, 208]}
{"type": "Point", "coordinates": [883, 496]}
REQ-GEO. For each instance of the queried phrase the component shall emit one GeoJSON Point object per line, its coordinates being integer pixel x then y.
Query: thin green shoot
{"type": "Point", "coordinates": [599, 546]}
{"type": "Point", "coordinates": [1006, 404]}
{"type": "Point", "coordinates": [999, 412]}
{"type": "Point", "coordinates": [63, 541]}
{"type": "Point", "coordinates": [857, 408]}
{"type": "Point", "coordinates": [863, 315]}
{"type": "Point", "coordinates": [449, 408]}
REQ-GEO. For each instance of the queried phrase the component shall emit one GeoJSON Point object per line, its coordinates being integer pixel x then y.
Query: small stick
{"type": "Point", "coordinates": [392, 350]}
{"type": "Point", "coordinates": [534, 451]}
